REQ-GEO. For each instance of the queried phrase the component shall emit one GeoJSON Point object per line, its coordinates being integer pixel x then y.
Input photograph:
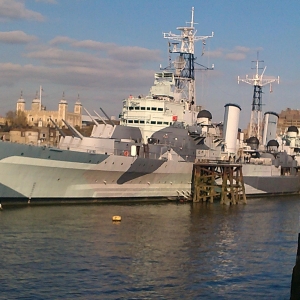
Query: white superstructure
{"type": "Point", "coordinates": [172, 97]}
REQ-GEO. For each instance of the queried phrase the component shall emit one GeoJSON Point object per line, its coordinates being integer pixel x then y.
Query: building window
{"type": "Point", "coordinates": [153, 108]}
{"type": "Point", "coordinates": [130, 121]}
{"type": "Point", "coordinates": [160, 109]}
{"type": "Point", "coordinates": [143, 108]}
{"type": "Point", "coordinates": [136, 121]}
{"type": "Point", "coordinates": [153, 122]}
{"type": "Point", "coordinates": [148, 108]}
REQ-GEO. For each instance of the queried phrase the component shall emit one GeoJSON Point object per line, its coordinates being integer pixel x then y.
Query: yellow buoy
{"type": "Point", "coordinates": [116, 218]}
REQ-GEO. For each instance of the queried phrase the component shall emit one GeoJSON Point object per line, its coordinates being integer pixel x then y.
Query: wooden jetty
{"type": "Point", "coordinates": [218, 180]}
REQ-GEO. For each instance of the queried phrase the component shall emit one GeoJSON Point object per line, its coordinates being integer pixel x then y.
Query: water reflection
{"type": "Point", "coordinates": [162, 251]}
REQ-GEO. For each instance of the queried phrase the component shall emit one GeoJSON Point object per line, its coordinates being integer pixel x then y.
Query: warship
{"type": "Point", "coordinates": [151, 153]}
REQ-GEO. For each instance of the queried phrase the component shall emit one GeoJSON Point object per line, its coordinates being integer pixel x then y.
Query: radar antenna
{"type": "Point", "coordinates": [255, 128]}
{"type": "Point", "coordinates": [184, 64]}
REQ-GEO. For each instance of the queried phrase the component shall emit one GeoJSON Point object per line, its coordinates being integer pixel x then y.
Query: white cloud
{"type": "Point", "coordinates": [16, 37]}
{"type": "Point", "coordinates": [134, 54]}
{"type": "Point", "coordinates": [242, 49]}
{"type": "Point", "coordinates": [127, 53]}
{"type": "Point", "coordinates": [214, 54]}
{"type": "Point", "coordinates": [236, 56]}
{"type": "Point", "coordinates": [116, 66]}
{"type": "Point", "coordinates": [104, 79]}
{"type": "Point", "coordinates": [93, 45]}
{"type": "Point", "coordinates": [59, 40]}
{"type": "Point", "coordinates": [47, 1]}
{"type": "Point", "coordinates": [15, 10]}
{"type": "Point", "coordinates": [58, 57]}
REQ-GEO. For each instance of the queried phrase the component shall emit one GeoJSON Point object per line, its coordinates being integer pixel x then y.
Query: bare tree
{"type": "Point", "coordinates": [16, 119]}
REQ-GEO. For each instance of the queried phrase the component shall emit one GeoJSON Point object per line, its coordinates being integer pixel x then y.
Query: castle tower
{"type": "Point", "coordinates": [78, 107]}
{"type": "Point", "coordinates": [62, 108]}
{"type": "Point", "coordinates": [21, 103]}
{"type": "Point", "coordinates": [35, 104]}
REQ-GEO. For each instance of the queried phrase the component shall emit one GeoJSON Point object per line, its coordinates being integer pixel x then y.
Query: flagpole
{"type": "Point", "coordinates": [41, 97]}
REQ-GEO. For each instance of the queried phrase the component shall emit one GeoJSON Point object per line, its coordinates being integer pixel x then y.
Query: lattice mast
{"type": "Point", "coordinates": [255, 128]}
{"type": "Point", "coordinates": [184, 64]}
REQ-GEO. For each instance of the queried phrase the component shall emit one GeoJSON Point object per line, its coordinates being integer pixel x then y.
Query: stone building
{"type": "Point", "coordinates": [39, 116]}
{"type": "Point", "coordinates": [35, 136]}
{"type": "Point", "coordinates": [287, 118]}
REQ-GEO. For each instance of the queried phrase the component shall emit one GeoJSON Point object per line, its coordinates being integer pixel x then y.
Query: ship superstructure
{"type": "Point", "coordinates": [172, 96]}
{"type": "Point", "coordinates": [258, 81]}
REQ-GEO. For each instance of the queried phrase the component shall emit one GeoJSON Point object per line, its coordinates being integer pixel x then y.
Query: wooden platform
{"type": "Point", "coordinates": [220, 180]}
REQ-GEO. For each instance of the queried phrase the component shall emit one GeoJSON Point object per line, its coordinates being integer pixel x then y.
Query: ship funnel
{"type": "Point", "coordinates": [230, 127]}
{"type": "Point", "coordinates": [270, 127]}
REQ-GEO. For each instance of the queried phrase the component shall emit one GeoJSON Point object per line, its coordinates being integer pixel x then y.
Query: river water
{"type": "Point", "coordinates": [157, 251]}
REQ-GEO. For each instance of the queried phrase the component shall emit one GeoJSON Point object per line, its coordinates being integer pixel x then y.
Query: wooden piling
{"type": "Point", "coordinates": [295, 284]}
{"type": "Point", "coordinates": [206, 185]}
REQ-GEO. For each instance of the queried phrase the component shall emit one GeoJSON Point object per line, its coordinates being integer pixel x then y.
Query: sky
{"type": "Point", "coordinates": [105, 50]}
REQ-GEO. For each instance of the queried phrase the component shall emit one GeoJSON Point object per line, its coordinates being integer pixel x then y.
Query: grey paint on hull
{"type": "Point", "coordinates": [12, 149]}
{"type": "Point", "coordinates": [139, 168]}
{"type": "Point", "coordinates": [274, 184]}
{"type": "Point", "coordinates": [8, 192]}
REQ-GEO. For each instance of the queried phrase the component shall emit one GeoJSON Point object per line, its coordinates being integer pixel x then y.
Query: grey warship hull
{"type": "Point", "coordinates": [150, 155]}
{"type": "Point", "coordinates": [42, 175]}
